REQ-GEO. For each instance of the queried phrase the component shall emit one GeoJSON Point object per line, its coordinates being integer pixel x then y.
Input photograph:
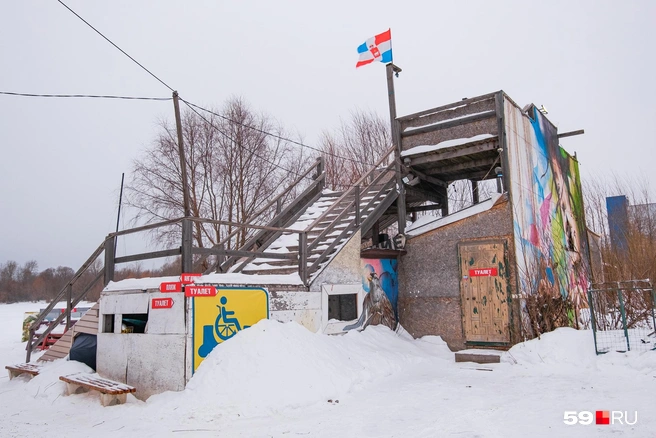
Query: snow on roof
{"type": "Point", "coordinates": [430, 222]}
{"type": "Point", "coordinates": [445, 144]}
{"type": "Point", "coordinates": [222, 278]}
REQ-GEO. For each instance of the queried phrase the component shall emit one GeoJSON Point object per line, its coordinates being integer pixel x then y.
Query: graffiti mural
{"type": "Point", "coordinates": [218, 318]}
{"type": "Point", "coordinates": [381, 285]}
{"type": "Point", "coordinates": [549, 223]}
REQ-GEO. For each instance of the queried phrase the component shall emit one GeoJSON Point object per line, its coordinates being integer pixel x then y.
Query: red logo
{"type": "Point", "coordinates": [603, 417]}
{"type": "Point", "coordinates": [162, 303]}
{"type": "Point", "coordinates": [189, 278]}
{"type": "Point", "coordinates": [200, 291]}
{"type": "Point", "coordinates": [483, 272]}
{"type": "Point", "coordinates": [170, 286]}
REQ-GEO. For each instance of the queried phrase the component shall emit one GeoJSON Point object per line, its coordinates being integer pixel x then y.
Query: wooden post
{"type": "Point", "coordinates": [110, 247]}
{"type": "Point", "coordinates": [474, 185]}
{"type": "Point", "coordinates": [396, 139]}
{"type": "Point", "coordinates": [302, 257]}
{"type": "Point", "coordinates": [186, 250]}
{"type": "Point", "coordinates": [183, 161]}
{"type": "Point", "coordinates": [357, 206]}
{"type": "Point", "coordinates": [69, 296]}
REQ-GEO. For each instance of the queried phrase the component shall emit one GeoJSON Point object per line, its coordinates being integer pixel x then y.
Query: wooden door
{"type": "Point", "coordinates": [484, 292]}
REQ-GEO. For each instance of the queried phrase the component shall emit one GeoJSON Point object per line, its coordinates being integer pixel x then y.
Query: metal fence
{"type": "Point", "coordinates": [622, 316]}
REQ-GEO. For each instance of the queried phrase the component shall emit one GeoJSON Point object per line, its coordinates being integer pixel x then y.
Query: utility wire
{"type": "Point", "coordinates": [233, 140]}
{"type": "Point", "coordinates": [275, 135]}
{"type": "Point", "coordinates": [91, 96]}
{"type": "Point", "coordinates": [191, 104]}
{"type": "Point", "coordinates": [112, 43]}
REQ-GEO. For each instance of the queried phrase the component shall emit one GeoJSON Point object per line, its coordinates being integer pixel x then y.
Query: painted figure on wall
{"type": "Point", "coordinates": [379, 305]}
{"type": "Point", "coordinates": [548, 208]}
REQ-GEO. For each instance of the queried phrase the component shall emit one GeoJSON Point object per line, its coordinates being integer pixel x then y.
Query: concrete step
{"type": "Point", "coordinates": [479, 355]}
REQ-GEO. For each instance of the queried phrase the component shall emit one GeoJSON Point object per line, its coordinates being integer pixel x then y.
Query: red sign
{"type": "Point", "coordinates": [189, 278]}
{"type": "Point", "coordinates": [162, 303]}
{"type": "Point", "coordinates": [170, 286]}
{"type": "Point", "coordinates": [483, 272]}
{"type": "Point", "coordinates": [200, 291]}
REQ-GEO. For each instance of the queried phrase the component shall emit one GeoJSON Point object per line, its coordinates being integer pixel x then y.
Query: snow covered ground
{"type": "Point", "coordinates": [279, 380]}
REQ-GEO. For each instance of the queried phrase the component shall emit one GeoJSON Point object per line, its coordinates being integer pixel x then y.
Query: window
{"type": "Point", "coordinates": [341, 304]}
{"type": "Point", "coordinates": [134, 322]}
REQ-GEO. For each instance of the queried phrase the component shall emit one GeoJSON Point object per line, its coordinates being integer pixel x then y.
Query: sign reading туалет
{"type": "Point", "coordinates": [483, 272]}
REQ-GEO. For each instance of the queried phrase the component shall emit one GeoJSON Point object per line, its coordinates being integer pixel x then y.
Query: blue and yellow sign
{"type": "Point", "coordinates": [218, 318]}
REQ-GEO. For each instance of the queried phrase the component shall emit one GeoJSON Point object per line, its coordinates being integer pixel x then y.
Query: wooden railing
{"type": "Point", "coordinates": [376, 184]}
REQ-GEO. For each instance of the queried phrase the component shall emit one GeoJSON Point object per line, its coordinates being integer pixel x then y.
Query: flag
{"type": "Point", "coordinates": [378, 48]}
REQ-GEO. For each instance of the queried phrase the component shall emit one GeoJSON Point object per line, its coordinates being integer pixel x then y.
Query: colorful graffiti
{"type": "Point", "coordinates": [549, 223]}
{"type": "Point", "coordinates": [218, 318]}
{"type": "Point", "coordinates": [380, 282]}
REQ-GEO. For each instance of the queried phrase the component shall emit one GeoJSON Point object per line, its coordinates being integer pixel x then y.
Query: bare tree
{"type": "Point", "coordinates": [352, 149]}
{"type": "Point", "coordinates": [236, 161]}
{"type": "Point", "coordinates": [638, 259]}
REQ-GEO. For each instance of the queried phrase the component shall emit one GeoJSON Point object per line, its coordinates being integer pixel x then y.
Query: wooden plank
{"type": "Point", "coordinates": [452, 168]}
{"type": "Point", "coordinates": [148, 255]}
{"type": "Point", "coordinates": [462, 102]}
{"type": "Point", "coordinates": [239, 253]}
{"type": "Point", "coordinates": [571, 133]}
{"type": "Point", "coordinates": [23, 368]}
{"type": "Point", "coordinates": [99, 384]}
{"type": "Point", "coordinates": [437, 126]}
{"type": "Point", "coordinates": [454, 152]}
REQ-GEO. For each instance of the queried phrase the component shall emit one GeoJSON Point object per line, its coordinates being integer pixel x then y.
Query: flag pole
{"type": "Point", "coordinates": [396, 139]}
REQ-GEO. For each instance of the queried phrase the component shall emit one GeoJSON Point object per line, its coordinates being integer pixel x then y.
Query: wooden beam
{"type": "Point", "coordinates": [428, 178]}
{"type": "Point", "coordinates": [451, 168]}
{"type": "Point", "coordinates": [571, 133]}
{"type": "Point", "coordinates": [238, 253]}
{"type": "Point", "coordinates": [445, 154]}
{"type": "Point", "coordinates": [425, 194]}
{"type": "Point", "coordinates": [410, 131]}
{"type": "Point", "coordinates": [460, 103]}
{"type": "Point", "coordinates": [148, 255]}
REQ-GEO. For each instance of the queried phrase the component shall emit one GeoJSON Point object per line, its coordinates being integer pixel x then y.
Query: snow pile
{"type": "Point", "coordinates": [47, 386]}
{"type": "Point", "coordinates": [562, 346]}
{"type": "Point", "coordinates": [273, 366]}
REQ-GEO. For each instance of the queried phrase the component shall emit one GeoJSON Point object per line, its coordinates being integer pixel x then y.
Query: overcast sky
{"type": "Point", "coordinates": [590, 63]}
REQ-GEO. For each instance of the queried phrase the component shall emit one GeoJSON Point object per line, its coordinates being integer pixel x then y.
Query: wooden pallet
{"type": "Point", "coordinates": [23, 368]}
{"type": "Point", "coordinates": [111, 392]}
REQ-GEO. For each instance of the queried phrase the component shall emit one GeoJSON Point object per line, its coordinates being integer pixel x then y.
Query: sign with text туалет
{"type": "Point", "coordinates": [484, 272]}
{"type": "Point", "coordinates": [161, 303]}
{"type": "Point", "coordinates": [170, 286]}
{"type": "Point", "coordinates": [200, 291]}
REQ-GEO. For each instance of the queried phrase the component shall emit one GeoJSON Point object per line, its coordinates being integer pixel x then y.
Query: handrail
{"type": "Point", "coordinates": [351, 190]}
{"type": "Point", "coordinates": [318, 164]}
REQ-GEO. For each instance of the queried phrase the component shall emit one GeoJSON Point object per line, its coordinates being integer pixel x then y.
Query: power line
{"type": "Point", "coordinates": [233, 140]}
{"type": "Point", "coordinates": [90, 96]}
{"type": "Point", "coordinates": [275, 135]}
{"type": "Point", "coordinates": [204, 109]}
{"type": "Point", "coordinates": [112, 43]}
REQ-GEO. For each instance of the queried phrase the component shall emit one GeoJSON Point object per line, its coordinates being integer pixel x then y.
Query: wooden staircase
{"type": "Point", "coordinates": [316, 232]}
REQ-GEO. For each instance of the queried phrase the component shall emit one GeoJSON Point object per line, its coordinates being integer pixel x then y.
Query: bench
{"type": "Point", "coordinates": [111, 393]}
{"type": "Point", "coordinates": [23, 368]}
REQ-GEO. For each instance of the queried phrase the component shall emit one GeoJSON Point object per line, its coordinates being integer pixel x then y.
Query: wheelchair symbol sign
{"type": "Point", "coordinates": [217, 319]}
